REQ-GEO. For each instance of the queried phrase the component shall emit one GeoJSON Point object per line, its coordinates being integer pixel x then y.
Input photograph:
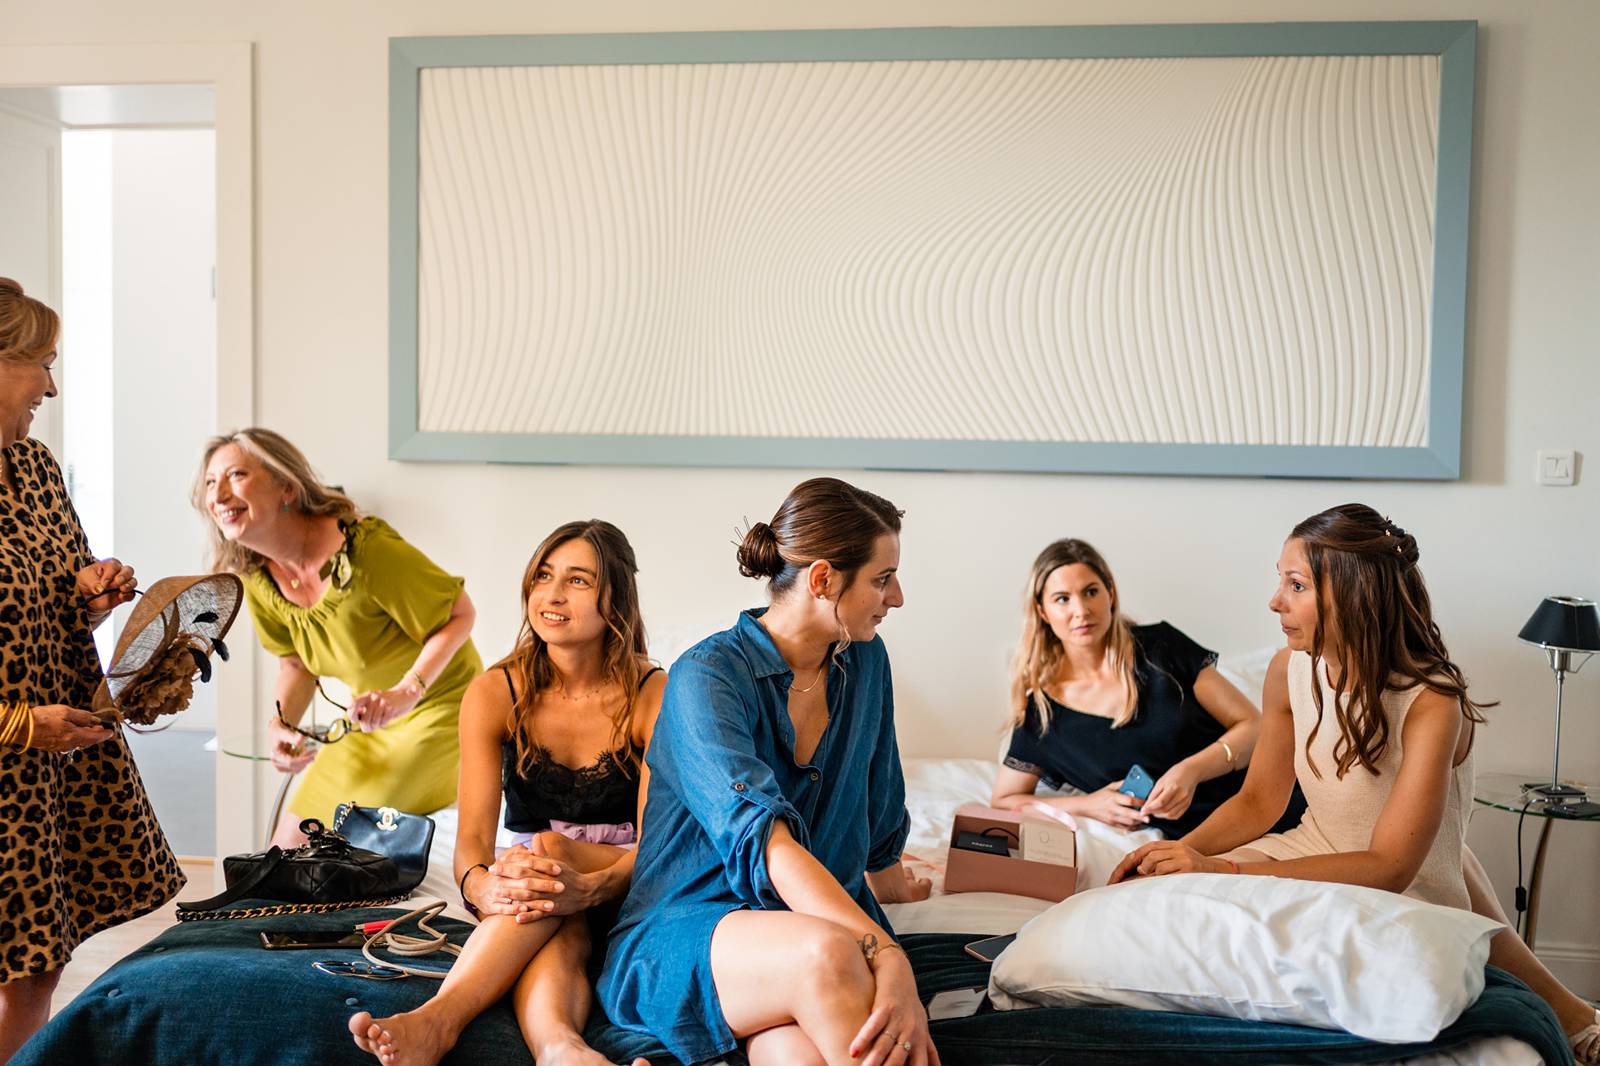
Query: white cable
{"type": "Point", "coordinates": [411, 946]}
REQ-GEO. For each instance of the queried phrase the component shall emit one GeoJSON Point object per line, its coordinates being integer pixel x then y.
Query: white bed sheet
{"type": "Point", "coordinates": [934, 789]}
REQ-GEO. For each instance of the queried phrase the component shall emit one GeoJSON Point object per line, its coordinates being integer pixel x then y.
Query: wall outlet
{"type": "Point", "coordinates": [1557, 468]}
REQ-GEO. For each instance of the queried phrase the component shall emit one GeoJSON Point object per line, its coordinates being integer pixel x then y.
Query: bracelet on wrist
{"type": "Point", "coordinates": [16, 726]}
{"type": "Point", "coordinates": [1233, 866]}
{"type": "Point", "coordinates": [416, 679]}
{"type": "Point", "coordinates": [1227, 750]}
{"type": "Point", "coordinates": [471, 907]}
{"type": "Point", "coordinates": [871, 948]}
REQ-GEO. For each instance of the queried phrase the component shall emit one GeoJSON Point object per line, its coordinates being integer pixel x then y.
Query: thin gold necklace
{"type": "Point", "coordinates": [814, 682]}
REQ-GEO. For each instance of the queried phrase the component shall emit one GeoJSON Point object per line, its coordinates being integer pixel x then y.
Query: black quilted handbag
{"type": "Point", "coordinates": [327, 872]}
{"type": "Point", "coordinates": [405, 838]}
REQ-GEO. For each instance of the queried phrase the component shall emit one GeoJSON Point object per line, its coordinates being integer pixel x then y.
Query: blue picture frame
{"type": "Point", "coordinates": [1454, 42]}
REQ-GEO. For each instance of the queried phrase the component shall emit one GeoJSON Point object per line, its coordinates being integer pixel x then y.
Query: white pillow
{"type": "Point", "coordinates": [1380, 965]}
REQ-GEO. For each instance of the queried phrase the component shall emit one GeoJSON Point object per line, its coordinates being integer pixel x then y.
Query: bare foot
{"type": "Point", "coordinates": [409, 1039]}
{"type": "Point", "coordinates": [574, 1052]}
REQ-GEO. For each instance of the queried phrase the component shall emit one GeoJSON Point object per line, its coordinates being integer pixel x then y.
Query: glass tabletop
{"type": "Point", "coordinates": [1509, 792]}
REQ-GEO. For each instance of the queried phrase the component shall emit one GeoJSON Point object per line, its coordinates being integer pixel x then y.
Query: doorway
{"type": "Point", "coordinates": [156, 287]}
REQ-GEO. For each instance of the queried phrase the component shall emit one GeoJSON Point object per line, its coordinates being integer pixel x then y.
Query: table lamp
{"type": "Point", "coordinates": [1565, 627]}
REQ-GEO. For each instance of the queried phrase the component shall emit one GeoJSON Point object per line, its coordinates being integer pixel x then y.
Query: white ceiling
{"type": "Point", "coordinates": [115, 106]}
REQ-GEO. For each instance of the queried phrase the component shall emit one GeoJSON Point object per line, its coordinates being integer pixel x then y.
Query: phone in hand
{"type": "Point", "coordinates": [289, 939]}
{"type": "Point", "coordinates": [988, 950]}
{"type": "Point", "coordinates": [1138, 783]}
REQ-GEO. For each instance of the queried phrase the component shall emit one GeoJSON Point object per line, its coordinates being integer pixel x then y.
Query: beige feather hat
{"type": "Point", "coordinates": [167, 642]}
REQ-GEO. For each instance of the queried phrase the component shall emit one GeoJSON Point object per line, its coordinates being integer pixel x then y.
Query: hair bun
{"type": "Point", "coordinates": [9, 287]}
{"type": "Point", "coordinates": [758, 552]}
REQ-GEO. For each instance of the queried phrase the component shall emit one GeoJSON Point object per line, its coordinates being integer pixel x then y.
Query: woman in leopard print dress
{"type": "Point", "coordinates": [80, 850]}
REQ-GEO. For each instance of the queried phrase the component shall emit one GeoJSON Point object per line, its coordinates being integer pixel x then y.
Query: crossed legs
{"type": "Point", "coordinates": [794, 986]}
{"type": "Point", "coordinates": [542, 963]}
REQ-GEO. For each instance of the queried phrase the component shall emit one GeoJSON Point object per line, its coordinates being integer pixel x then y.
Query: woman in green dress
{"type": "Point", "coordinates": [337, 594]}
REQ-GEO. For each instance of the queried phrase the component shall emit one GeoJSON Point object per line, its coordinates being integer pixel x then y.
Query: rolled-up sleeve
{"type": "Point", "coordinates": [888, 821]}
{"type": "Point", "coordinates": [703, 749]}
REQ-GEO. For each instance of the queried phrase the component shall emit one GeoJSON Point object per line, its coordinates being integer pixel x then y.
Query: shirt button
{"type": "Point", "coordinates": [738, 786]}
{"type": "Point", "coordinates": [815, 776]}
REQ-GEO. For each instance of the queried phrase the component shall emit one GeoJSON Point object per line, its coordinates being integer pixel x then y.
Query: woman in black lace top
{"type": "Point", "coordinates": [1093, 695]}
{"type": "Point", "coordinates": [560, 726]}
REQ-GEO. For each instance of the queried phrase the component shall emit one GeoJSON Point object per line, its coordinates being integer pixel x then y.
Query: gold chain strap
{"type": "Point", "coordinates": [286, 908]}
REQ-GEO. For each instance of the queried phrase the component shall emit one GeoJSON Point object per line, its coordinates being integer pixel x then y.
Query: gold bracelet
{"type": "Point", "coordinates": [18, 719]}
{"type": "Point", "coordinates": [423, 685]}
{"type": "Point", "coordinates": [10, 722]}
{"type": "Point", "coordinates": [1226, 750]}
{"type": "Point", "coordinates": [871, 949]}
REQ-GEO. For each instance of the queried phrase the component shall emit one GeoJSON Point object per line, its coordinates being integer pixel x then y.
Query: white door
{"type": "Point", "coordinates": [30, 225]}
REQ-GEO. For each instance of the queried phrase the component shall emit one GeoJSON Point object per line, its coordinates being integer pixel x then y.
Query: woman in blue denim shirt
{"type": "Point", "coordinates": [776, 815]}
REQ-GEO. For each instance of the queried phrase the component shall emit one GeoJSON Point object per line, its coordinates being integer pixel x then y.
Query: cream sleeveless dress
{"type": "Point", "coordinates": [1341, 813]}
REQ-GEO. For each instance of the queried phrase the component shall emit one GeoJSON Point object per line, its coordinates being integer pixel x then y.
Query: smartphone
{"type": "Point", "coordinates": [1138, 783]}
{"type": "Point", "coordinates": [311, 938]}
{"type": "Point", "coordinates": [990, 949]}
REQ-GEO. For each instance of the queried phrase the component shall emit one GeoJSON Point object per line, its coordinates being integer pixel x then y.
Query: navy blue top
{"type": "Point", "coordinates": [722, 770]}
{"type": "Point", "coordinates": [1082, 750]}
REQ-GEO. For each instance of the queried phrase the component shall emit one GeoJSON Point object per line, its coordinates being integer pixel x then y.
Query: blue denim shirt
{"type": "Point", "coordinates": [722, 770]}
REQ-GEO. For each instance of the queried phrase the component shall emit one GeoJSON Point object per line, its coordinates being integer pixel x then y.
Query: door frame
{"type": "Point", "coordinates": [229, 67]}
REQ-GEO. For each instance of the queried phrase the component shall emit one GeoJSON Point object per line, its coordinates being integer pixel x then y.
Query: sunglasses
{"type": "Point", "coordinates": [333, 732]}
{"type": "Point", "coordinates": [359, 968]}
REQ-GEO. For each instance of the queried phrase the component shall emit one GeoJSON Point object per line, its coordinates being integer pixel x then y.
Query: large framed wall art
{"type": "Point", "coordinates": [1207, 249]}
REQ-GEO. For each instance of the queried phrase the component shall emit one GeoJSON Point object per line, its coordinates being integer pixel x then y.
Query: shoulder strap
{"type": "Point", "coordinates": [244, 887]}
{"type": "Point", "coordinates": [509, 686]}
{"type": "Point", "coordinates": [648, 675]}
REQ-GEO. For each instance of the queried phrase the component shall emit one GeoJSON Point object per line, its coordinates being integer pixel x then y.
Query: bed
{"type": "Point", "coordinates": [202, 993]}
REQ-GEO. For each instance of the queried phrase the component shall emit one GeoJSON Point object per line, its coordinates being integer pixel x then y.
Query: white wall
{"type": "Point", "coordinates": [1198, 552]}
{"type": "Point", "coordinates": [162, 360]}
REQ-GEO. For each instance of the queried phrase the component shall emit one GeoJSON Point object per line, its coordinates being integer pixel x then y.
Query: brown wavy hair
{"type": "Point", "coordinates": [29, 329]}
{"type": "Point", "coordinates": [285, 464]}
{"type": "Point", "coordinates": [624, 655]}
{"type": "Point", "coordinates": [823, 518]}
{"type": "Point", "coordinates": [1040, 653]}
{"type": "Point", "coordinates": [1365, 567]}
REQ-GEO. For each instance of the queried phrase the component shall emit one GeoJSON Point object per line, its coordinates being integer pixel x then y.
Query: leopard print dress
{"type": "Point", "coordinates": [80, 849]}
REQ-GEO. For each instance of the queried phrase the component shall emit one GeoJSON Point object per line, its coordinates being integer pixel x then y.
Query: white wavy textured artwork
{"type": "Point", "coordinates": [1212, 250]}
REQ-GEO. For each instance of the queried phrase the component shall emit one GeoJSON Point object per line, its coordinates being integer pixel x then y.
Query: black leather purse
{"type": "Point", "coordinates": [404, 838]}
{"type": "Point", "coordinates": [325, 873]}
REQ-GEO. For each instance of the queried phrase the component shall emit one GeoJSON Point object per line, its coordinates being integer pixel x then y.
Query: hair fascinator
{"type": "Point", "coordinates": [167, 642]}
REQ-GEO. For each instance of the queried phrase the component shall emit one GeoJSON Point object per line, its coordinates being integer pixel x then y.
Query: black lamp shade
{"type": "Point", "coordinates": [1565, 623]}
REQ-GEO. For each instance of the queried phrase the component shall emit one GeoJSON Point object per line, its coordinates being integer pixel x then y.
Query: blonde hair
{"type": "Point", "coordinates": [1040, 653]}
{"type": "Point", "coordinates": [29, 329]}
{"type": "Point", "coordinates": [285, 464]}
{"type": "Point", "coordinates": [529, 662]}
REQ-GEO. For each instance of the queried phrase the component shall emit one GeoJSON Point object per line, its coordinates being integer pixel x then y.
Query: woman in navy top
{"type": "Point", "coordinates": [776, 815]}
{"type": "Point", "coordinates": [1092, 696]}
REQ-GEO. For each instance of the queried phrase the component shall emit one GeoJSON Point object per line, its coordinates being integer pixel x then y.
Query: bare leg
{"type": "Point", "coordinates": [494, 957]}
{"type": "Point", "coordinates": [491, 964]}
{"type": "Point", "coordinates": [553, 997]}
{"type": "Point", "coordinates": [828, 993]}
{"type": "Point", "coordinates": [24, 1008]}
{"type": "Point", "coordinates": [786, 1045]}
{"type": "Point", "coordinates": [1508, 952]}
{"type": "Point", "coordinates": [286, 834]}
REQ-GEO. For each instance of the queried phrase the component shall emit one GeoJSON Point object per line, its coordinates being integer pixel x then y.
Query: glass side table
{"type": "Point", "coordinates": [1509, 792]}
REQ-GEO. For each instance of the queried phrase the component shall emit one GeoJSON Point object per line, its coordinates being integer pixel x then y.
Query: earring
{"type": "Point", "coordinates": [284, 506]}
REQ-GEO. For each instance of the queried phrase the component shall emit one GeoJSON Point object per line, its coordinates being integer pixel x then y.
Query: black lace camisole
{"type": "Point", "coordinates": [606, 792]}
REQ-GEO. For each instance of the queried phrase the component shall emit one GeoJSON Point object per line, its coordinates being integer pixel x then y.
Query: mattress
{"type": "Point", "coordinates": [934, 789]}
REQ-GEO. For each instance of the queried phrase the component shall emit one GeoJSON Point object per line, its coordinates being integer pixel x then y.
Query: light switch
{"type": "Point", "coordinates": [1556, 468]}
